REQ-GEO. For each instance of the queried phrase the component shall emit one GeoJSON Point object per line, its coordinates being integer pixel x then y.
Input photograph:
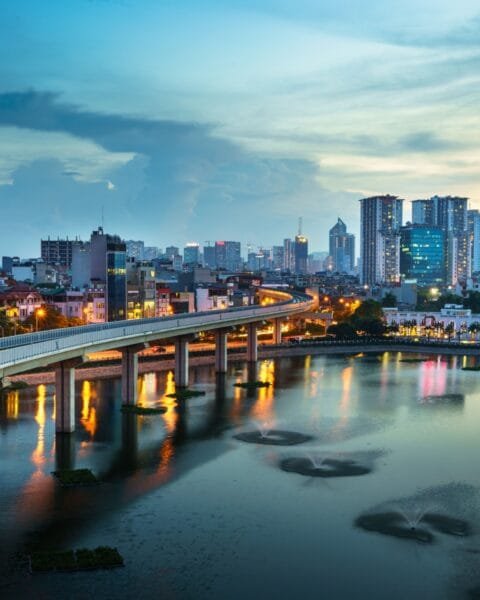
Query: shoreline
{"type": "Point", "coordinates": [147, 366]}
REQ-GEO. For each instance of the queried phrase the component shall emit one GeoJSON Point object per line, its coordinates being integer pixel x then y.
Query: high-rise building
{"type": "Point", "coordinates": [228, 256]}
{"type": "Point", "coordinates": [209, 257]}
{"type": "Point", "coordinates": [135, 249]}
{"type": "Point", "coordinates": [288, 255]}
{"type": "Point", "coordinates": [450, 214]}
{"type": "Point", "coordinates": [473, 222]}
{"type": "Point", "coordinates": [108, 266]}
{"type": "Point", "coordinates": [423, 212]}
{"type": "Point", "coordinates": [301, 254]}
{"type": "Point", "coordinates": [191, 254]}
{"type": "Point", "coordinates": [422, 254]}
{"type": "Point", "coordinates": [57, 252]}
{"type": "Point", "coordinates": [380, 221]}
{"type": "Point", "coordinates": [277, 257]}
{"type": "Point", "coordinates": [171, 251]}
{"type": "Point", "coordinates": [342, 248]}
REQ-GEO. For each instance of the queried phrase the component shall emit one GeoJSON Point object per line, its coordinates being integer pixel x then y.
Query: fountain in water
{"type": "Point", "coordinates": [413, 523]}
{"type": "Point", "coordinates": [266, 434]}
{"type": "Point", "coordinates": [314, 464]}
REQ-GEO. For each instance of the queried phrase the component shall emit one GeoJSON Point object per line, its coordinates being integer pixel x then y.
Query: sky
{"type": "Point", "coordinates": [196, 120]}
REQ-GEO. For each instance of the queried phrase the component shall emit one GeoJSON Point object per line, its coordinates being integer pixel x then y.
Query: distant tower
{"type": "Point", "coordinates": [341, 248]}
{"type": "Point", "coordinates": [301, 251]}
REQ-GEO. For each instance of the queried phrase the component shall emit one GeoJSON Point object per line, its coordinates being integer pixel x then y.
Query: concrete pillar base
{"type": "Point", "coordinates": [277, 331]}
{"type": "Point", "coordinates": [221, 359]}
{"type": "Point", "coordinates": [252, 346]}
{"type": "Point", "coordinates": [130, 374]}
{"type": "Point", "coordinates": [181, 361]}
{"type": "Point", "coordinates": [65, 396]}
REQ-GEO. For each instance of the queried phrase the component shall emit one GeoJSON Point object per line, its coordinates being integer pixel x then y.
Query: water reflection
{"type": "Point", "coordinates": [136, 456]}
{"type": "Point", "coordinates": [433, 378]}
{"type": "Point", "coordinates": [89, 412]}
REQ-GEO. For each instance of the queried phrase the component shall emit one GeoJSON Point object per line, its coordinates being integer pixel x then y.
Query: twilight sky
{"type": "Point", "coordinates": [195, 120]}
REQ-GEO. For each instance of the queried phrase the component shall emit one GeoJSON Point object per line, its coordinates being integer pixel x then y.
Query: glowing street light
{"type": "Point", "coordinates": [40, 312]}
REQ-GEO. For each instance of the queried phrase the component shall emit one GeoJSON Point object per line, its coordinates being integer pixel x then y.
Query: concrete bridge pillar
{"type": "Point", "coordinates": [130, 373]}
{"type": "Point", "coordinates": [181, 360]}
{"type": "Point", "coordinates": [277, 331]}
{"type": "Point", "coordinates": [252, 346]}
{"type": "Point", "coordinates": [65, 395]}
{"type": "Point", "coordinates": [221, 359]}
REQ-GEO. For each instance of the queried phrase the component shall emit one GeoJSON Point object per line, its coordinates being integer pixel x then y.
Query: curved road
{"type": "Point", "coordinates": [25, 352]}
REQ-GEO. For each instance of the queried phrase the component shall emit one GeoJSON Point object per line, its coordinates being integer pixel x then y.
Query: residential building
{"type": "Point", "coordinates": [380, 221]}
{"type": "Point", "coordinates": [473, 225]}
{"type": "Point", "coordinates": [57, 252]}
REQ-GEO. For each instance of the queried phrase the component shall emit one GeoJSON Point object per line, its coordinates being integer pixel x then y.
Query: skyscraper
{"type": "Point", "coordinates": [191, 254]}
{"type": "Point", "coordinates": [209, 259]}
{"type": "Point", "coordinates": [380, 221]}
{"type": "Point", "coordinates": [288, 255]}
{"type": "Point", "coordinates": [342, 248]}
{"type": "Point", "coordinates": [473, 224]}
{"type": "Point", "coordinates": [301, 254]}
{"type": "Point", "coordinates": [228, 256]}
{"type": "Point", "coordinates": [422, 254]}
{"type": "Point", "coordinates": [450, 214]}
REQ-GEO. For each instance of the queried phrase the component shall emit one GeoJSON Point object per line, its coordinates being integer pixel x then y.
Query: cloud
{"type": "Point", "coordinates": [183, 182]}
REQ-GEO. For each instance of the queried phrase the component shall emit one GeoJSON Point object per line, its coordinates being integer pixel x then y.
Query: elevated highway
{"type": "Point", "coordinates": [67, 348]}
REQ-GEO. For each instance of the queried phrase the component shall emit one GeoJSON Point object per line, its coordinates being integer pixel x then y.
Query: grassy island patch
{"type": "Point", "coordinates": [252, 385]}
{"type": "Point", "coordinates": [71, 477]}
{"type": "Point", "coordinates": [133, 409]}
{"type": "Point", "coordinates": [102, 557]}
{"type": "Point", "coordinates": [184, 394]}
{"type": "Point", "coordinates": [470, 368]}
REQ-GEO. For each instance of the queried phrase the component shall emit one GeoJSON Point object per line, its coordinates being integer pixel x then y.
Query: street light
{"type": "Point", "coordinates": [40, 312]}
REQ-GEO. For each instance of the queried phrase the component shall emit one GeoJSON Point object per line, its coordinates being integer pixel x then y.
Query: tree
{"type": "Point", "coordinates": [368, 317]}
{"type": "Point", "coordinates": [389, 300]}
{"type": "Point", "coordinates": [342, 331]}
{"type": "Point", "coordinates": [369, 310]}
{"type": "Point", "coordinates": [49, 318]}
{"type": "Point", "coordinates": [473, 302]}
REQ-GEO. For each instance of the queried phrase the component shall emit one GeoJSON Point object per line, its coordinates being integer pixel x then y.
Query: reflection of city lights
{"type": "Point", "coordinates": [263, 407]}
{"type": "Point", "coordinates": [12, 405]}
{"type": "Point", "coordinates": [170, 416]}
{"type": "Point", "coordinates": [38, 455]}
{"type": "Point", "coordinates": [89, 413]}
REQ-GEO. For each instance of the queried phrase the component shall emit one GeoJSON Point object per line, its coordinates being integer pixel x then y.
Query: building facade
{"type": "Point", "coordinates": [341, 248]}
{"type": "Point", "coordinates": [380, 222]}
{"type": "Point", "coordinates": [422, 254]}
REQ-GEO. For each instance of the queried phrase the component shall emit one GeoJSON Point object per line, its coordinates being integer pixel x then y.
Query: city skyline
{"type": "Point", "coordinates": [294, 115]}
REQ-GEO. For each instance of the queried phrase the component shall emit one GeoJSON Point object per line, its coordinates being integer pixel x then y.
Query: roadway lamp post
{"type": "Point", "coordinates": [40, 312]}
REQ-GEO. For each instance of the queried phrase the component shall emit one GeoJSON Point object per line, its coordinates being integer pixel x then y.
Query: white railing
{"type": "Point", "coordinates": [53, 344]}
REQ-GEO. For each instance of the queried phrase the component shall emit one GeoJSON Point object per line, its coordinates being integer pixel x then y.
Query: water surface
{"type": "Point", "coordinates": [197, 513]}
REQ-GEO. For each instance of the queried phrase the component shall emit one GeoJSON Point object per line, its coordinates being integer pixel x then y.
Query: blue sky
{"type": "Point", "coordinates": [229, 119]}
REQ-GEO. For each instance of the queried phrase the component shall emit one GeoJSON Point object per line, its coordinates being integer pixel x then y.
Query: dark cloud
{"type": "Point", "coordinates": [184, 182]}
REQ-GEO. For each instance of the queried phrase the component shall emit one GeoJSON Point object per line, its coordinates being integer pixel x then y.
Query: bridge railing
{"type": "Point", "coordinates": [37, 345]}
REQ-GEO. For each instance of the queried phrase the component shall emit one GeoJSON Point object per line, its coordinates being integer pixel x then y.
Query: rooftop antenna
{"type": "Point", "coordinates": [300, 225]}
{"type": "Point", "coordinates": [103, 220]}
